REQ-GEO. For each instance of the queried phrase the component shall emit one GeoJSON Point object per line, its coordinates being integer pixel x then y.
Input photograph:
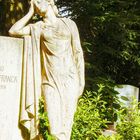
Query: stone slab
{"type": "Point", "coordinates": [11, 50]}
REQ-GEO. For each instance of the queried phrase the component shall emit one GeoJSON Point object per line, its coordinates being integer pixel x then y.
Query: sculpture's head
{"type": "Point", "coordinates": [42, 6]}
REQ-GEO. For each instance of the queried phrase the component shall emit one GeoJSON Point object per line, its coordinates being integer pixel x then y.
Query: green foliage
{"type": "Point", "coordinates": [105, 87]}
{"type": "Point", "coordinates": [88, 122]}
{"type": "Point", "coordinates": [113, 137]}
{"type": "Point", "coordinates": [129, 124]}
{"type": "Point", "coordinates": [95, 110]}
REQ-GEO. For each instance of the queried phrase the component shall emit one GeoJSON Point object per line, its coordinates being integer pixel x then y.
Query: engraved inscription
{"type": "Point", "coordinates": [8, 79]}
{"type": "Point", "coordinates": [4, 79]}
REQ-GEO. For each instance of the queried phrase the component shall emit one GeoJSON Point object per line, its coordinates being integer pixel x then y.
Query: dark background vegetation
{"type": "Point", "coordinates": [110, 35]}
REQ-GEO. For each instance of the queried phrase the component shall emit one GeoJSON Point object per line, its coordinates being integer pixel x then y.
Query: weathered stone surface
{"type": "Point", "coordinates": [11, 50]}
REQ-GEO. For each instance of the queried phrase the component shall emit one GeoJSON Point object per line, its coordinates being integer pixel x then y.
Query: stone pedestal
{"type": "Point", "coordinates": [11, 50]}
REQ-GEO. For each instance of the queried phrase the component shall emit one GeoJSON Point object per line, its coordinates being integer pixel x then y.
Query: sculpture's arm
{"type": "Point", "coordinates": [79, 58]}
{"type": "Point", "coordinates": [20, 28]}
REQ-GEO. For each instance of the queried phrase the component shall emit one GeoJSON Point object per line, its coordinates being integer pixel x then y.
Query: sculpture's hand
{"type": "Point", "coordinates": [20, 28]}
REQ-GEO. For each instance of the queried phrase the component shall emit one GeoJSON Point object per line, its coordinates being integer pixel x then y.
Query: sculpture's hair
{"type": "Point", "coordinates": [55, 9]}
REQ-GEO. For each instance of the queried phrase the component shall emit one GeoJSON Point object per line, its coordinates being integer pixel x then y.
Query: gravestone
{"type": "Point", "coordinates": [11, 50]}
{"type": "Point", "coordinates": [128, 91]}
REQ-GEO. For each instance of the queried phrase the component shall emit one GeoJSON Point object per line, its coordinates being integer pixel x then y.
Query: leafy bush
{"type": "Point", "coordinates": [88, 122]}
{"type": "Point", "coordinates": [105, 87]}
{"type": "Point", "coordinates": [113, 137]}
{"type": "Point", "coordinates": [129, 125]}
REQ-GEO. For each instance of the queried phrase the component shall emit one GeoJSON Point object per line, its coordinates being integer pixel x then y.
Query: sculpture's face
{"type": "Point", "coordinates": [41, 6]}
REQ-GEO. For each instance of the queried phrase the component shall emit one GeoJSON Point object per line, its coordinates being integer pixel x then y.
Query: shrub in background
{"type": "Point", "coordinates": [88, 122]}
{"type": "Point", "coordinates": [129, 125]}
{"type": "Point", "coordinates": [105, 87]}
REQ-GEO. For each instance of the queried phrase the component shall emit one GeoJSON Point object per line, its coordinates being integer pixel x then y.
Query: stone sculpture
{"type": "Point", "coordinates": [53, 68]}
